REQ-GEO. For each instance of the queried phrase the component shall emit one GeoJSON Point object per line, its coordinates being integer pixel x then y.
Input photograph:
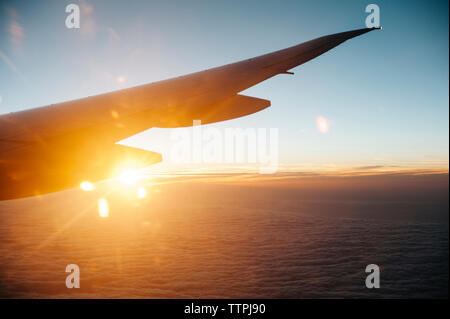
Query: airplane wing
{"type": "Point", "coordinates": [56, 147]}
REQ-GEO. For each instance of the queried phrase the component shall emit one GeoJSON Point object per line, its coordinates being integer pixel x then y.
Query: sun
{"type": "Point", "coordinates": [129, 177]}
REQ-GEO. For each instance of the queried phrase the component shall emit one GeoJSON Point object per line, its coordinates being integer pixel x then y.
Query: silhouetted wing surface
{"type": "Point", "coordinates": [56, 147]}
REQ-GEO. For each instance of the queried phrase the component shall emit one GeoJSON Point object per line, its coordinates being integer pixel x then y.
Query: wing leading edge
{"type": "Point", "coordinates": [75, 136]}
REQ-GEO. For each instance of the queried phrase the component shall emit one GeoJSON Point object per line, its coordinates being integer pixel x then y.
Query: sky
{"type": "Point", "coordinates": [384, 95]}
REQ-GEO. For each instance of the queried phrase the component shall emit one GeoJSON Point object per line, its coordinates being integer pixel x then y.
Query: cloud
{"type": "Point", "coordinates": [265, 243]}
{"type": "Point", "coordinates": [370, 167]}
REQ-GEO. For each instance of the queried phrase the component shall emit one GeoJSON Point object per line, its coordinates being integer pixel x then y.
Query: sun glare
{"type": "Point", "coordinates": [103, 207]}
{"type": "Point", "coordinates": [87, 186]}
{"type": "Point", "coordinates": [141, 192]}
{"type": "Point", "coordinates": [129, 177]}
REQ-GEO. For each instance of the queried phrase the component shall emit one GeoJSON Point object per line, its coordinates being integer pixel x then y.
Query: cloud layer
{"type": "Point", "coordinates": [192, 239]}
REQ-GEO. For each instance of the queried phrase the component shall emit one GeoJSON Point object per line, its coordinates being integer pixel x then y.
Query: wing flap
{"type": "Point", "coordinates": [233, 107]}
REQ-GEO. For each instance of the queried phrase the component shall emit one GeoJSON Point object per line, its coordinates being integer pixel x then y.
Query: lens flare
{"type": "Point", "coordinates": [323, 124]}
{"type": "Point", "coordinates": [103, 207]}
{"type": "Point", "coordinates": [141, 192]}
{"type": "Point", "coordinates": [87, 186]}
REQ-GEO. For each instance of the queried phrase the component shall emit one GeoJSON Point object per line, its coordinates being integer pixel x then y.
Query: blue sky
{"type": "Point", "coordinates": [384, 93]}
